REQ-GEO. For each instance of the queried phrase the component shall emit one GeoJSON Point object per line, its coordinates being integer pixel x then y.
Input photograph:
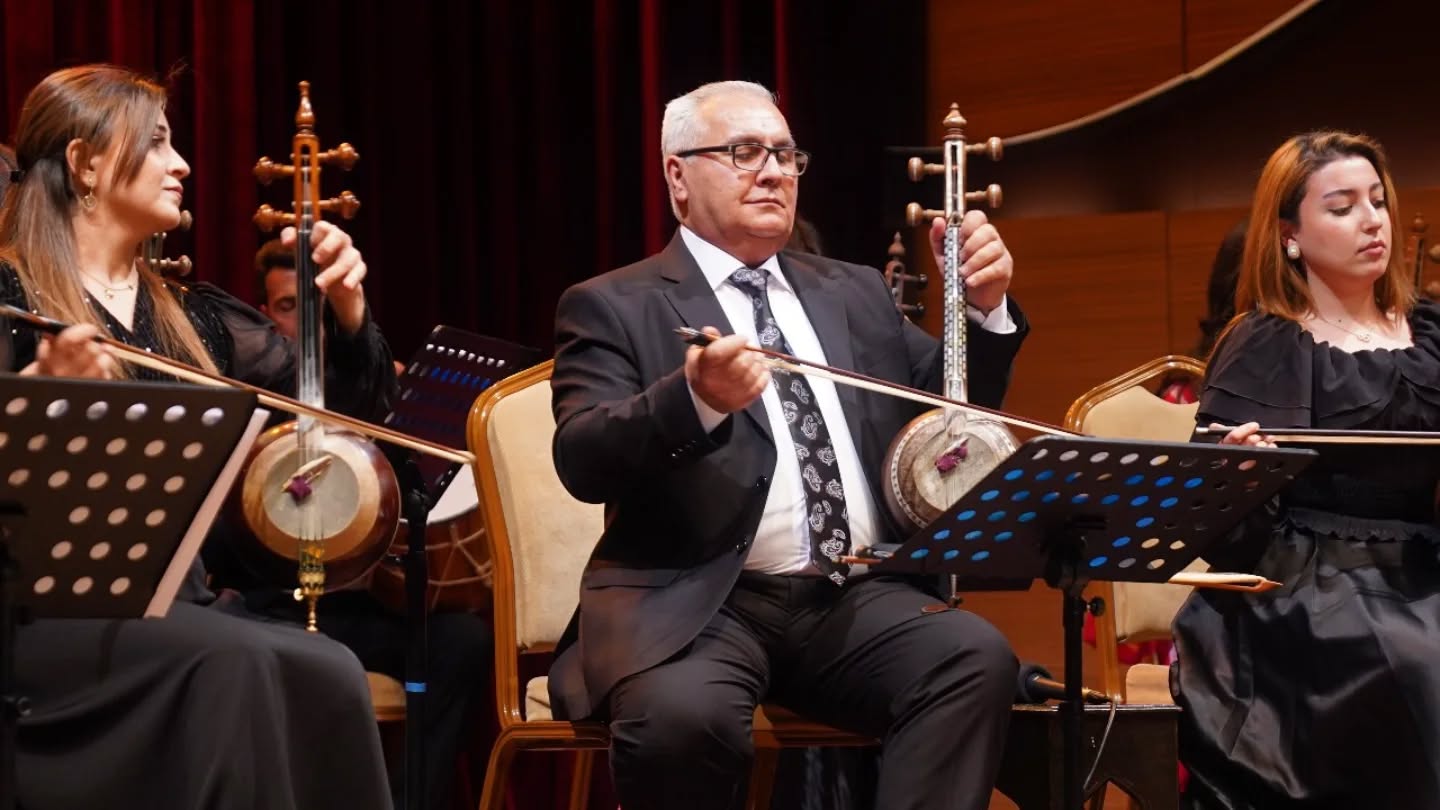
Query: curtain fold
{"type": "Point", "coordinates": [507, 149]}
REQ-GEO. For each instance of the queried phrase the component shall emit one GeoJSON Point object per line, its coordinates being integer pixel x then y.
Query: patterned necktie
{"type": "Point", "coordinates": [828, 520]}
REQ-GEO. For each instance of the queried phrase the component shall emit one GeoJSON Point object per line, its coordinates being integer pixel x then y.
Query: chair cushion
{"type": "Point", "coordinates": [1144, 611]}
{"type": "Point", "coordinates": [550, 533]}
{"type": "Point", "coordinates": [537, 700]}
{"type": "Point", "coordinates": [1148, 684]}
{"type": "Point", "coordinates": [387, 695]}
{"type": "Point", "coordinates": [1135, 413]}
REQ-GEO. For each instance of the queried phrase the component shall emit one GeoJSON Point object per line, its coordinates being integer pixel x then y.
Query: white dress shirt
{"type": "Point", "coordinates": [782, 541]}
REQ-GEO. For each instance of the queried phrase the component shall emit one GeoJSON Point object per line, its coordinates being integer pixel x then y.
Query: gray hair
{"type": "Point", "coordinates": [680, 129]}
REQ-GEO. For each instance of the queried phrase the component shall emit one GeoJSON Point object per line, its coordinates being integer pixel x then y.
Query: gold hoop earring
{"type": "Point", "coordinates": [88, 201]}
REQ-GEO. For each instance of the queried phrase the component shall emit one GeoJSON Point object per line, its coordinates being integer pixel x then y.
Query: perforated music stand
{"type": "Point", "coordinates": [107, 490]}
{"type": "Point", "coordinates": [442, 381]}
{"type": "Point", "coordinates": [437, 388]}
{"type": "Point", "coordinates": [1070, 510]}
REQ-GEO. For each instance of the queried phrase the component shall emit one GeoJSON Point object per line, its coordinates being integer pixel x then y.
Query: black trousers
{"type": "Point", "coordinates": [459, 661]}
{"type": "Point", "coordinates": [873, 657]}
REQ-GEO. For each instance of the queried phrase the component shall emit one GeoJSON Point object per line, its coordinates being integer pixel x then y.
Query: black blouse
{"type": "Point", "coordinates": [1272, 371]}
{"type": "Point", "coordinates": [360, 379]}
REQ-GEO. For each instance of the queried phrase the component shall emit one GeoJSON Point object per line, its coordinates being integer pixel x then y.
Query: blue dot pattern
{"type": "Point", "coordinates": [1129, 489]}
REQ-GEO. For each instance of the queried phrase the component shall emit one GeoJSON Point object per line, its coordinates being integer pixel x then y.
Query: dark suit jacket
{"type": "Point", "coordinates": [682, 506]}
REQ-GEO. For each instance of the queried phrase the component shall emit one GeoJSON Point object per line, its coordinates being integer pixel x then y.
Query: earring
{"type": "Point", "coordinates": [88, 201]}
{"type": "Point", "coordinates": [1293, 251]}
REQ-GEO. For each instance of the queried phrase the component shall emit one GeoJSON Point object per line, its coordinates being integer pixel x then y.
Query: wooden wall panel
{"type": "Point", "coordinates": [1214, 26]}
{"type": "Point", "coordinates": [1202, 144]}
{"type": "Point", "coordinates": [1194, 237]}
{"type": "Point", "coordinates": [1021, 66]}
{"type": "Point", "coordinates": [1027, 64]}
{"type": "Point", "coordinates": [1094, 291]}
{"type": "Point", "coordinates": [1031, 621]}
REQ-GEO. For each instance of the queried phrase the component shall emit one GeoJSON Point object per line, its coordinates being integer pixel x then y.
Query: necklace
{"type": "Point", "coordinates": [108, 290]}
{"type": "Point", "coordinates": [1364, 335]}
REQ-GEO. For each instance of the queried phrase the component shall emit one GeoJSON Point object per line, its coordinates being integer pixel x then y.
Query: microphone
{"type": "Point", "coordinates": [1034, 685]}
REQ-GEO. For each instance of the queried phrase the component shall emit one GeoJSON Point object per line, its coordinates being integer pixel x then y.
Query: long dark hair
{"type": "Point", "coordinates": [99, 105]}
{"type": "Point", "coordinates": [1220, 296]}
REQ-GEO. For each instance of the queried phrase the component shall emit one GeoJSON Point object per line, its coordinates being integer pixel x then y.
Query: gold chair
{"type": "Point", "coordinates": [540, 539]}
{"type": "Point", "coordinates": [387, 695]}
{"type": "Point", "coordinates": [1126, 408]}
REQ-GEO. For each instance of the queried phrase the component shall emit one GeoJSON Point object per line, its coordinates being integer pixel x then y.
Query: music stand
{"type": "Point", "coordinates": [437, 388]}
{"type": "Point", "coordinates": [1070, 510]}
{"type": "Point", "coordinates": [107, 490]}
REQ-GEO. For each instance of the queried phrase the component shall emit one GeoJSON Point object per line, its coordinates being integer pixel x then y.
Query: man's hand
{"type": "Point", "coordinates": [725, 375]}
{"type": "Point", "coordinates": [986, 264]}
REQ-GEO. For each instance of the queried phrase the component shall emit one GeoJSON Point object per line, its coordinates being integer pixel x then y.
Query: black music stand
{"type": "Point", "coordinates": [437, 388]}
{"type": "Point", "coordinates": [107, 490]}
{"type": "Point", "coordinates": [1070, 510]}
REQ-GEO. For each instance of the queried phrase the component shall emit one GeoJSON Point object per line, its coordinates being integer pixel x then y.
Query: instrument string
{"type": "Point", "coordinates": [189, 373]}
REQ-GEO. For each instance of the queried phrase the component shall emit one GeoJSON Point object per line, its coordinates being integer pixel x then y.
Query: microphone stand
{"type": "Point", "coordinates": [416, 507]}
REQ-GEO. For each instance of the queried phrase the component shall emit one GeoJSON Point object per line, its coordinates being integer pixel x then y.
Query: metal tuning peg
{"type": "Point", "coordinates": [992, 148]}
{"type": "Point", "coordinates": [896, 251]}
{"type": "Point", "coordinates": [917, 215]}
{"type": "Point", "coordinates": [900, 279]}
{"type": "Point", "coordinates": [955, 149]}
{"type": "Point", "coordinates": [304, 167]}
{"type": "Point", "coordinates": [918, 169]}
{"type": "Point", "coordinates": [267, 218]}
{"type": "Point", "coordinates": [343, 156]}
{"type": "Point", "coordinates": [990, 196]}
{"type": "Point", "coordinates": [174, 267]}
{"type": "Point", "coordinates": [345, 204]}
{"type": "Point", "coordinates": [897, 265]}
{"type": "Point", "coordinates": [267, 170]}
{"type": "Point", "coordinates": [155, 245]}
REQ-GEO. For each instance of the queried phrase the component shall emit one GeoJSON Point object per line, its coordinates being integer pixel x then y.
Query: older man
{"type": "Point", "coordinates": [731, 495]}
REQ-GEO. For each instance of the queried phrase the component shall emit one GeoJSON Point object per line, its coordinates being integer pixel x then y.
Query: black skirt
{"type": "Point", "coordinates": [1325, 692]}
{"type": "Point", "coordinates": [206, 708]}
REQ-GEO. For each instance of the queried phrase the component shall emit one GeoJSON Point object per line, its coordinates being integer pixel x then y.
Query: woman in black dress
{"type": "Point", "coordinates": [208, 707]}
{"type": "Point", "coordinates": [1324, 693]}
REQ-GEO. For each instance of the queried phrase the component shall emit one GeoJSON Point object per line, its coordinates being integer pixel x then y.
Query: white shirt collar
{"type": "Point", "coordinates": [717, 265]}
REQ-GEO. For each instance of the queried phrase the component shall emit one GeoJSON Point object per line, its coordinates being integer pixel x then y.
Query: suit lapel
{"type": "Point", "coordinates": [824, 305]}
{"type": "Point", "coordinates": [698, 307]}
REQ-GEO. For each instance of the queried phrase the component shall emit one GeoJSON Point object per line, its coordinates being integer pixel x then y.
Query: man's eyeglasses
{"type": "Point", "coordinates": [751, 157]}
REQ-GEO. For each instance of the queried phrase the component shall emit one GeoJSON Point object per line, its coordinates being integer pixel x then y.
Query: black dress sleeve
{"type": "Point", "coordinates": [1262, 372]}
{"type": "Point", "coordinates": [17, 346]}
{"type": "Point", "coordinates": [359, 374]}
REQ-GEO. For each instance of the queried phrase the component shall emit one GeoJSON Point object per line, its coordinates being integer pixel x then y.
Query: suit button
{"type": "Point", "coordinates": [761, 482]}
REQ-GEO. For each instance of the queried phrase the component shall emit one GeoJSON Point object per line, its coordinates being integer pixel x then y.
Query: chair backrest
{"type": "Point", "coordinates": [1125, 408]}
{"type": "Point", "coordinates": [540, 536]}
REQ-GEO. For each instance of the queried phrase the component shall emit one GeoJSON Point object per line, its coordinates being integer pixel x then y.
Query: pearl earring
{"type": "Point", "coordinates": [1293, 251]}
